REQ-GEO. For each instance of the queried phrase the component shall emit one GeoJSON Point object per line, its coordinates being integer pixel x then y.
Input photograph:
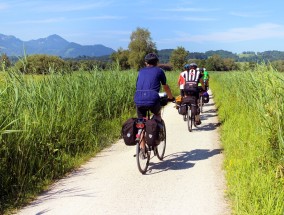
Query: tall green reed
{"type": "Point", "coordinates": [48, 123]}
{"type": "Point", "coordinates": [250, 107]}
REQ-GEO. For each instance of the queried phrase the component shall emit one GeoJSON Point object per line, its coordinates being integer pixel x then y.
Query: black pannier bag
{"type": "Point", "coordinates": [182, 110]}
{"type": "Point", "coordinates": [152, 132]}
{"type": "Point", "coordinates": [129, 131]}
{"type": "Point", "coordinates": [190, 87]}
{"type": "Point", "coordinates": [189, 100]}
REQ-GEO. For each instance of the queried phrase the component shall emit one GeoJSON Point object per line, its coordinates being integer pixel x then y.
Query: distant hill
{"type": "Point", "coordinates": [51, 45]}
{"type": "Point", "coordinates": [246, 56]}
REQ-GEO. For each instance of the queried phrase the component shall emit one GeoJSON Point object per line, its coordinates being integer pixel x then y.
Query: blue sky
{"type": "Point", "coordinates": [198, 26]}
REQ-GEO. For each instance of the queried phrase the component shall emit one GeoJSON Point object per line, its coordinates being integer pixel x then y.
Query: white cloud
{"type": "Point", "coordinates": [189, 9]}
{"type": "Point", "coordinates": [250, 14]}
{"type": "Point", "coordinates": [183, 18]}
{"type": "Point", "coordinates": [106, 17]}
{"type": "Point", "coordinates": [41, 21]}
{"type": "Point", "coordinates": [262, 31]}
{"type": "Point", "coordinates": [79, 6]}
{"type": "Point", "coordinates": [62, 19]}
{"type": "Point", "coordinates": [56, 6]}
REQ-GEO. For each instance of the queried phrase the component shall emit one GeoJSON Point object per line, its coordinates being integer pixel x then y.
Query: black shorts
{"type": "Point", "coordinates": [142, 111]}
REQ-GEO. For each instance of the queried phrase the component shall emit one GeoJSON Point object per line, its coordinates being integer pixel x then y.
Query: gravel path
{"type": "Point", "coordinates": [190, 180]}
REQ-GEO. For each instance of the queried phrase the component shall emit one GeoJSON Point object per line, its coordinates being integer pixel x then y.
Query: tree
{"type": "Point", "coordinates": [41, 64]}
{"type": "Point", "coordinates": [214, 63]}
{"type": "Point", "coordinates": [140, 44]}
{"type": "Point", "coordinates": [121, 59]}
{"type": "Point", "coordinates": [4, 62]}
{"type": "Point", "coordinates": [178, 58]}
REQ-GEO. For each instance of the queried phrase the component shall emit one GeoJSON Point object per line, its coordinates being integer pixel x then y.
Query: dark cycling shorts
{"type": "Point", "coordinates": [142, 111]}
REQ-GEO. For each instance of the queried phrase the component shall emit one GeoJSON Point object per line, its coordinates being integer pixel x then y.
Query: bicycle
{"type": "Point", "coordinates": [143, 154]}
{"type": "Point", "coordinates": [190, 117]}
{"type": "Point", "coordinates": [189, 102]}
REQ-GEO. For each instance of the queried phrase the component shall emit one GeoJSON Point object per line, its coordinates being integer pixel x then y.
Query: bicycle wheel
{"type": "Point", "coordinates": [142, 158]}
{"type": "Point", "coordinates": [161, 148]}
{"type": "Point", "coordinates": [190, 118]}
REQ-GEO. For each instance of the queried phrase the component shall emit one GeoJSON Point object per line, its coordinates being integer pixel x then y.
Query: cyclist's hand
{"type": "Point", "coordinates": [172, 100]}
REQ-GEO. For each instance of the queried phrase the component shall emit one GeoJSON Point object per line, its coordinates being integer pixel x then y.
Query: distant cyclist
{"type": "Point", "coordinates": [148, 84]}
{"type": "Point", "coordinates": [206, 78]}
{"type": "Point", "coordinates": [193, 77]}
{"type": "Point", "coordinates": [181, 79]}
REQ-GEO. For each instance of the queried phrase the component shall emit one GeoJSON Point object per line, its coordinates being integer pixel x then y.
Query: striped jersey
{"type": "Point", "coordinates": [192, 75]}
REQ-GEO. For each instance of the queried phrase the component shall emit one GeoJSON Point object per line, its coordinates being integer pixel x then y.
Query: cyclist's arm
{"type": "Point", "coordinates": [168, 91]}
{"type": "Point", "coordinates": [202, 83]}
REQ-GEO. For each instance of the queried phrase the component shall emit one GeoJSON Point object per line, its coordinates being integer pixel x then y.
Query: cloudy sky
{"type": "Point", "coordinates": [198, 26]}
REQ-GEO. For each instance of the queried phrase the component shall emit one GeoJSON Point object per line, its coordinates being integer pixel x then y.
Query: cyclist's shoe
{"type": "Point", "coordinates": [198, 122]}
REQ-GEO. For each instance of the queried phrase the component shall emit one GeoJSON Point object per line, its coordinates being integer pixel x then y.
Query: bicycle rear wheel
{"type": "Point", "coordinates": [142, 157]}
{"type": "Point", "coordinates": [190, 118]}
{"type": "Point", "coordinates": [161, 148]}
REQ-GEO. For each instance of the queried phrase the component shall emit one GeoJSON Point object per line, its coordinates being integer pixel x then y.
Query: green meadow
{"type": "Point", "coordinates": [251, 111]}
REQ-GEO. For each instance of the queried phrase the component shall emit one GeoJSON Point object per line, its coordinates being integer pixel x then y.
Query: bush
{"type": "Point", "coordinates": [40, 64]}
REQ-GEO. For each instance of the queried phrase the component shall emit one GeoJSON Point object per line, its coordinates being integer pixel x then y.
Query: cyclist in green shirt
{"type": "Point", "coordinates": [206, 78]}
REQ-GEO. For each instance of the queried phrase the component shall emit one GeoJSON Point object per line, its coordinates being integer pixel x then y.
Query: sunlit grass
{"type": "Point", "coordinates": [50, 124]}
{"type": "Point", "coordinates": [250, 107]}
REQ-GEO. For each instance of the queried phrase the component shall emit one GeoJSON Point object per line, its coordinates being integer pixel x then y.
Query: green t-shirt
{"type": "Point", "coordinates": [205, 75]}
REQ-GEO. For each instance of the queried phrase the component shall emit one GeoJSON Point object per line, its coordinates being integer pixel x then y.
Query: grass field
{"type": "Point", "coordinates": [250, 108]}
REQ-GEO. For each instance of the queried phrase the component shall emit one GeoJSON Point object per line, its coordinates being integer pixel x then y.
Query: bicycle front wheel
{"type": "Point", "coordinates": [161, 148]}
{"type": "Point", "coordinates": [190, 118]}
{"type": "Point", "coordinates": [142, 157]}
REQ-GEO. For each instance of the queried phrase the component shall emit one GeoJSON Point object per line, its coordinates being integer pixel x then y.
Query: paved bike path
{"type": "Point", "coordinates": [189, 181]}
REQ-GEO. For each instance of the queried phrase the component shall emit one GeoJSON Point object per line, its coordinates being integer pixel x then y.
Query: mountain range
{"type": "Point", "coordinates": [51, 45]}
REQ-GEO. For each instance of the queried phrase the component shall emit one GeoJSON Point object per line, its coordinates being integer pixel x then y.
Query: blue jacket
{"type": "Point", "coordinates": [148, 86]}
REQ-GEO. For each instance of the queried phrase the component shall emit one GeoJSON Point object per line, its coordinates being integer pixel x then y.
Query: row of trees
{"type": "Point", "coordinates": [133, 58]}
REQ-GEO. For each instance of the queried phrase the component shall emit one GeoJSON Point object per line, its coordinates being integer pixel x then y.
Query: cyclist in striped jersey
{"type": "Point", "coordinates": [193, 77]}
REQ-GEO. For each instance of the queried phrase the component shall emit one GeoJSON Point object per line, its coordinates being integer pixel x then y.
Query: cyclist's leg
{"type": "Point", "coordinates": [182, 92]}
{"type": "Point", "coordinates": [196, 110]}
{"type": "Point", "coordinates": [141, 114]}
{"type": "Point", "coordinates": [156, 110]}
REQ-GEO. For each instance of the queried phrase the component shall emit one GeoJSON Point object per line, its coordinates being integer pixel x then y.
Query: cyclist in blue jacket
{"type": "Point", "coordinates": [148, 84]}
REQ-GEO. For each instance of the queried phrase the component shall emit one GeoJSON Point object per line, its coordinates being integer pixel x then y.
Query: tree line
{"type": "Point", "coordinates": [140, 44]}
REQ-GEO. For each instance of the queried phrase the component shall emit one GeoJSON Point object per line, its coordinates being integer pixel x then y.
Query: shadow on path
{"type": "Point", "coordinates": [182, 160]}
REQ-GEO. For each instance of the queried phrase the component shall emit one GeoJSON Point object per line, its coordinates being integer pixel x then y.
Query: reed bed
{"type": "Point", "coordinates": [51, 124]}
{"type": "Point", "coordinates": [251, 107]}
